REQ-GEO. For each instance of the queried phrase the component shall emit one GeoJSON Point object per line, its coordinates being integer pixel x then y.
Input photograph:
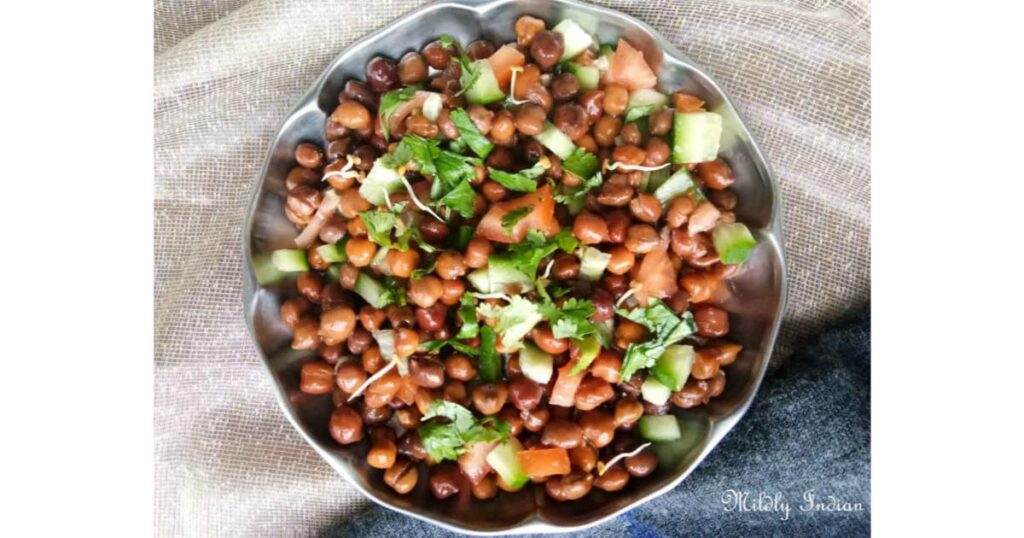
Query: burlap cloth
{"type": "Point", "coordinates": [226, 74]}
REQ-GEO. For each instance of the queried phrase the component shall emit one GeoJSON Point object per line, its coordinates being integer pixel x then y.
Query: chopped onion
{"type": "Point", "coordinates": [602, 467]}
{"type": "Point", "coordinates": [417, 201]}
{"type": "Point", "coordinates": [432, 107]}
{"type": "Point", "coordinates": [328, 206]}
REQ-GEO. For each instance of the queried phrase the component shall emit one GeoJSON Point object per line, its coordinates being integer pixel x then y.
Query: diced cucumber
{"type": "Point", "coordinates": [332, 253]}
{"type": "Point", "coordinates": [290, 260]}
{"type": "Point", "coordinates": [659, 428]}
{"type": "Point", "coordinates": [696, 137]}
{"type": "Point", "coordinates": [593, 263]}
{"type": "Point", "coordinates": [504, 462]}
{"type": "Point", "coordinates": [588, 75]}
{"type": "Point", "coordinates": [499, 274]}
{"type": "Point", "coordinates": [655, 179]}
{"type": "Point", "coordinates": [558, 142]}
{"type": "Point", "coordinates": [655, 391]}
{"type": "Point", "coordinates": [589, 348]}
{"type": "Point", "coordinates": [370, 290]}
{"type": "Point", "coordinates": [432, 106]}
{"type": "Point", "coordinates": [265, 271]}
{"type": "Point", "coordinates": [380, 180]}
{"type": "Point", "coordinates": [734, 242]}
{"type": "Point", "coordinates": [576, 39]}
{"type": "Point", "coordinates": [334, 273]}
{"type": "Point", "coordinates": [535, 364]}
{"type": "Point", "coordinates": [485, 90]}
{"type": "Point", "coordinates": [642, 102]}
{"type": "Point", "coordinates": [605, 330]}
{"type": "Point", "coordinates": [678, 184]}
{"type": "Point", "coordinates": [673, 367]}
{"type": "Point", "coordinates": [379, 263]}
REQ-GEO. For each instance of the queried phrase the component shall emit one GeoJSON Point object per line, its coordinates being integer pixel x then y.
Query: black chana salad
{"type": "Point", "coordinates": [509, 261]}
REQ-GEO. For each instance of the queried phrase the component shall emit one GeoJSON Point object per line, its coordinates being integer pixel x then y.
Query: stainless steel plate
{"type": "Point", "coordinates": [758, 293]}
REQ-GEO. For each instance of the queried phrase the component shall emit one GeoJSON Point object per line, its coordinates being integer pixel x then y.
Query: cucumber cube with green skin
{"type": "Point", "coordinates": [504, 462]}
{"type": "Point", "coordinates": [332, 253]}
{"type": "Point", "coordinates": [673, 367]}
{"type": "Point", "coordinates": [535, 363]}
{"type": "Point", "coordinates": [733, 242]}
{"type": "Point", "coordinates": [696, 136]}
{"type": "Point", "coordinates": [655, 391]}
{"type": "Point", "coordinates": [588, 76]}
{"type": "Point", "coordinates": [677, 184]}
{"type": "Point", "coordinates": [379, 181]}
{"type": "Point", "coordinates": [370, 290]}
{"type": "Point", "coordinates": [499, 274]}
{"type": "Point", "coordinates": [264, 270]}
{"type": "Point", "coordinates": [658, 428]}
{"type": "Point", "coordinates": [485, 90]}
{"type": "Point", "coordinates": [555, 140]}
{"type": "Point", "coordinates": [290, 260]}
{"type": "Point", "coordinates": [576, 39]}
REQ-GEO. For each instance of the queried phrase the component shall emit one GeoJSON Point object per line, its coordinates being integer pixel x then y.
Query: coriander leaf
{"type": "Point", "coordinates": [452, 169]}
{"type": "Point", "coordinates": [510, 219]}
{"type": "Point", "coordinates": [423, 271]}
{"type": "Point", "coordinates": [390, 101]}
{"type": "Point", "coordinates": [447, 40]}
{"type": "Point", "coordinates": [634, 113]}
{"type": "Point", "coordinates": [461, 238]}
{"type": "Point", "coordinates": [575, 197]}
{"type": "Point", "coordinates": [379, 225]}
{"type": "Point", "coordinates": [589, 349]}
{"type": "Point", "coordinates": [467, 315]}
{"type": "Point", "coordinates": [422, 151]}
{"type": "Point", "coordinates": [564, 328]}
{"type": "Point", "coordinates": [640, 356]}
{"type": "Point", "coordinates": [433, 346]}
{"type": "Point", "coordinates": [449, 440]}
{"type": "Point", "coordinates": [489, 365]}
{"type": "Point", "coordinates": [582, 163]}
{"type": "Point", "coordinates": [522, 181]}
{"type": "Point", "coordinates": [471, 71]}
{"type": "Point", "coordinates": [571, 320]}
{"type": "Point", "coordinates": [666, 329]}
{"type": "Point", "coordinates": [460, 199]}
{"type": "Point", "coordinates": [527, 255]}
{"type": "Point", "coordinates": [470, 134]}
{"type": "Point", "coordinates": [441, 441]}
{"type": "Point", "coordinates": [460, 416]}
{"type": "Point", "coordinates": [516, 320]}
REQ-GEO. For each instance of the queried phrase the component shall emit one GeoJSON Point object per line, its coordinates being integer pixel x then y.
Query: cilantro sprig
{"type": "Point", "coordinates": [522, 181]}
{"type": "Point", "coordinates": [470, 134]}
{"type": "Point", "coordinates": [665, 327]}
{"type": "Point", "coordinates": [449, 440]}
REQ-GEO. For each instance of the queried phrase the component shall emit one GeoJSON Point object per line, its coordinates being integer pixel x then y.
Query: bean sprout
{"type": "Point", "coordinates": [602, 467]}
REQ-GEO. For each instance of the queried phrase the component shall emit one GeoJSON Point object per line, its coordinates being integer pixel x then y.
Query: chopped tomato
{"type": "Point", "coordinates": [541, 462]}
{"type": "Point", "coordinates": [474, 461]}
{"type": "Point", "coordinates": [656, 277]}
{"type": "Point", "coordinates": [563, 394]}
{"type": "Point", "coordinates": [630, 69]}
{"type": "Point", "coordinates": [540, 218]}
{"type": "Point", "coordinates": [503, 61]}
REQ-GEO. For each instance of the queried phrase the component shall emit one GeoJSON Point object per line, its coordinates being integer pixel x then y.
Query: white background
{"type": "Point", "coordinates": [76, 397]}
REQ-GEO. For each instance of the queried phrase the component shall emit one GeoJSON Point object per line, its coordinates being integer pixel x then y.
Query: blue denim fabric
{"type": "Point", "coordinates": [807, 433]}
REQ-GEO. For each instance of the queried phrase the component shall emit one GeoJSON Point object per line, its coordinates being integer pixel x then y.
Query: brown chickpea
{"type": "Point", "coordinates": [606, 129]}
{"type": "Point", "coordinates": [455, 391]}
{"type": "Point", "coordinates": [360, 251]}
{"type": "Point", "coordinates": [628, 332]}
{"type": "Point", "coordinates": [486, 488]}
{"type": "Point", "coordinates": [526, 29]}
{"type": "Point", "coordinates": [301, 203]}
{"type": "Point", "coordinates": [350, 376]}
{"type": "Point", "coordinates": [570, 487]}
{"type": "Point", "coordinates": [330, 354]}
{"type": "Point", "coordinates": [535, 419]}
{"type": "Point", "coordinates": [716, 385]}
{"type": "Point", "coordinates": [604, 305]}
{"type": "Point", "coordinates": [590, 229]}
{"type": "Point", "coordinates": [658, 152]}
{"type": "Point", "coordinates": [631, 135]}
{"type": "Point", "coordinates": [446, 125]}
{"type": "Point", "coordinates": [705, 364]}
{"type": "Point", "coordinates": [640, 238]}
{"type": "Point", "coordinates": [380, 392]}
{"type": "Point", "coordinates": [628, 410]}
{"type": "Point", "coordinates": [562, 433]}
{"type": "Point", "coordinates": [545, 339]}
{"type": "Point", "coordinates": [524, 393]}
{"type": "Point", "coordinates": [316, 378]}
{"type": "Point", "coordinates": [436, 55]}
{"type": "Point", "coordinates": [563, 87]}
{"type": "Point", "coordinates": [583, 457]}
{"type": "Point", "coordinates": [372, 319]}
{"type": "Point", "coordinates": [412, 69]}
{"type": "Point", "coordinates": [310, 285]}
{"type": "Point", "coordinates": [334, 229]}
{"type": "Point", "coordinates": [358, 91]}
{"type": "Point", "coordinates": [494, 191]}
{"type": "Point", "coordinates": [480, 49]}
{"type": "Point", "coordinates": [406, 342]}
{"type": "Point", "coordinates": [408, 417]}
{"type": "Point", "coordinates": [615, 194]}
{"type": "Point", "coordinates": [598, 427]}
{"type": "Point", "coordinates": [622, 260]}
{"type": "Point", "coordinates": [309, 155]}
{"type": "Point", "coordinates": [477, 253]}
{"type": "Point", "coordinates": [431, 319]}
{"type": "Point", "coordinates": [372, 359]}
{"type": "Point", "coordinates": [401, 476]}
{"type": "Point", "coordinates": [712, 321]}
{"type": "Point", "coordinates": [458, 366]}
{"type": "Point", "coordinates": [607, 365]}
{"type": "Point", "coordinates": [645, 208]}
{"type": "Point", "coordinates": [510, 415]}
{"type": "Point", "coordinates": [566, 267]}
{"type": "Point", "coordinates": [451, 291]}
{"type": "Point", "coordinates": [381, 74]}
{"type": "Point", "coordinates": [356, 228]}
{"type": "Point", "coordinates": [352, 115]}
{"type": "Point", "coordinates": [359, 341]}
{"type": "Point", "coordinates": [660, 122]}
{"type": "Point", "coordinates": [716, 174]}
{"type": "Point", "coordinates": [301, 176]}
{"type": "Point", "coordinates": [588, 143]}
{"type": "Point", "coordinates": [642, 464]}
{"type": "Point", "coordinates": [593, 392]}
{"type": "Point", "coordinates": [726, 352]}
{"type": "Point", "coordinates": [419, 125]}
{"type": "Point", "coordinates": [530, 119]}
{"type": "Point", "coordinates": [382, 454]}
{"type": "Point", "coordinates": [571, 119]}
{"type": "Point", "coordinates": [410, 445]}
{"type": "Point", "coordinates": [337, 324]}
{"type": "Point", "coordinates": [293, 309]}
{"type": "Point", "coordinates": [402, 262]}
{"type": "Point", "coordinates": [425, 291]}
{"type": "Point", "coordinates": [703, 218]}
{"type": "Point", "coordinates": [679, 211]}
{"type": "Point", "coordinates": [334, 130]}
{"type": "Point", "coordinates": [346, 425]}
{"type": "Point", "coordinates": [615, 284]}
{"type": "Point", "coordinates": [592, 102]}
{"type": "Point", "coordinates": [348, 276]}
{"type": "Point", "coordinates": [615, 99]}
{"type": "Point", "coordinates": [546, 49]}
{"type": "Point", "coordinates": [628, 154]}
{"type": "Point", "coordinates": [434, 231]}
{"type": "Point", "coordinates": [445, 480]}
{"type": "Point", "coordinates": [489, 398]}
{"type": "Point", "coordinates": [700, 285]}
{"type": "Point", "coordinates": [352, 203]}
{"type": "Point", "coordinates": [693, 393]}
{"type": "Point", "coordinates": [618, 224]}
{"type": "Point", "coordinates": [614, 478]}
{"type": "Point", "coordinates": [503, 128]}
